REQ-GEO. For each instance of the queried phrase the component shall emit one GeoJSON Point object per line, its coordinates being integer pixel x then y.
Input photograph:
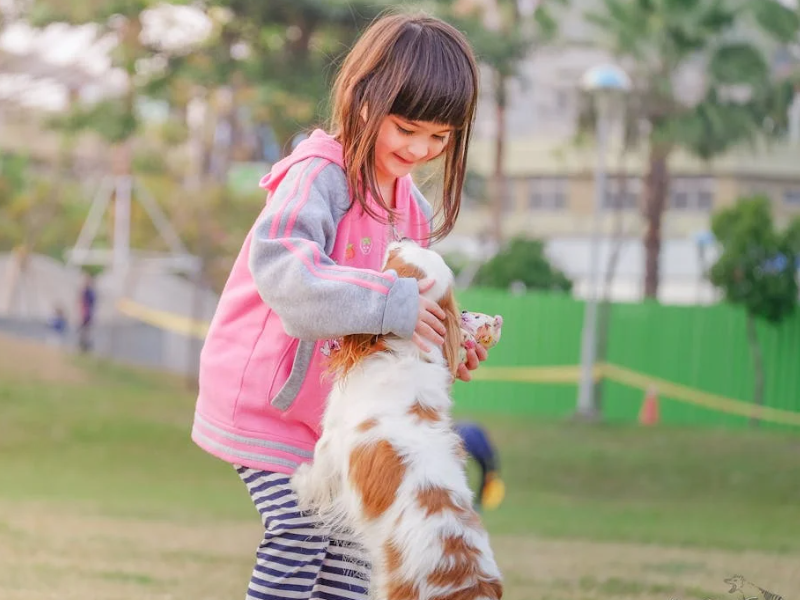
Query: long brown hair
{"type": "Point", "coordinates": [421, 69]}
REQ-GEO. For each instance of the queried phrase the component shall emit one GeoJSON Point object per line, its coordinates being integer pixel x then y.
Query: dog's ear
{"type": "Point", "coordinates": [395, 262]}
{"type": "Point", "coordinates": [353, 349]}
{"type": "Point", "coordinates": [452, 325]}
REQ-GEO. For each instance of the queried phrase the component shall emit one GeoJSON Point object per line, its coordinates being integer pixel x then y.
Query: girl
{"type": "Point", "coordinates": [309, 272]}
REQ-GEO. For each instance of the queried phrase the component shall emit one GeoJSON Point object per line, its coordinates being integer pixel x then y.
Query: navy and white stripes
{"type": "Point", "coordinates": [295, 559]}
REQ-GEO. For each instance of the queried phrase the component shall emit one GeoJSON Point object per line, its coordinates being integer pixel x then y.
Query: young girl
{"type": "Point", "coordinates": [309, 272]}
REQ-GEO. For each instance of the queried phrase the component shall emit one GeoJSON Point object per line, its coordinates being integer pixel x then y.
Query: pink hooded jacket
{"type": "Point", "coordinates": [308, 273]}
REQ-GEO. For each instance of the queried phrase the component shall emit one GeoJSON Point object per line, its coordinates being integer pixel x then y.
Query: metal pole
{"type": "Point", "coordinates": [586, 404]}
{"type": "Point", "coordinates": [794, 119]}
{"type": "Point", "coordinates": [122, 223]}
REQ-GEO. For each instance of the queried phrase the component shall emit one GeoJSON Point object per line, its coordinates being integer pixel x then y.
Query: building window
{"type": "Point", "coordinates": [792, 197]}
{"type": "Point", "coordinates": [692, 193]}
{"type": "Point", "coordinates": [548, 193]}
{"type": "Point", "coordinates": [622, 193]}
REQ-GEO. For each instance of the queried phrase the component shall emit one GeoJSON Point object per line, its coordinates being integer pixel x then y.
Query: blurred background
{"type": "Point", "coordinates": [632, 209]}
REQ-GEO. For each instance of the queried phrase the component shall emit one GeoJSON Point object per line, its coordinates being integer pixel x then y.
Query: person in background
{"type": "Point", "coordinates": [57, 324]}
{"type": "Point", "coordinates": [87, 302]}
{"type": "Point", "coordinates": [479, 446]}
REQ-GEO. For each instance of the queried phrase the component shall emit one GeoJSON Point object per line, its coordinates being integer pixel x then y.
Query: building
{"type": "Point", "coordinates": [550, 178]}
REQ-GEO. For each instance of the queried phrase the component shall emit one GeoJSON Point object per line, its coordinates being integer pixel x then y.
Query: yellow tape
{"type": "Point", "coordinates": [642, 381]}
{"type": "Point", "coordinates": [694, 396]}
{"type": "Point", "coordinates": [163, 319]}
{"type": "Point", "coordinates": [550, 374]}
{"type": "Point", "coordinates": [545, 374]}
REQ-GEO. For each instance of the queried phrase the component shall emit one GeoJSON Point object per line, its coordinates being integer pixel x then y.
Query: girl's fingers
{"type": "Point", "coordinates": [417, 339]}
{"type": "Point", "coordinates": [431, 335]}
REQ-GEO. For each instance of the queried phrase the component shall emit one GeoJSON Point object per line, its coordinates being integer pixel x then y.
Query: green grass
{"type": "Point", "coordinates": [103, 495]}
{"type": "Point", "coordinates": [697, 487]}
{"type": "Point", "coordinates": [118, 444]}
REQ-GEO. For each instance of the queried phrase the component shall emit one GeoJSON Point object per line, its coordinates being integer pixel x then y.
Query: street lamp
{"type": "Point", "coordinates": [607, 84]}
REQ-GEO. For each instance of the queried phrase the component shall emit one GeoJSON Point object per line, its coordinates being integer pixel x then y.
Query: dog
{"type": "Point", "coordinates": [390, 467]}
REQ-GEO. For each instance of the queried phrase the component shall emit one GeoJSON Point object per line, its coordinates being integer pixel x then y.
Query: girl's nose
{"type": "Point", "coordinates": [418, 150]}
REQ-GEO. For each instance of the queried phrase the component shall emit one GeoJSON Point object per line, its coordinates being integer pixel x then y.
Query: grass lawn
{"type": "Point", "coordinates": [103, 495]}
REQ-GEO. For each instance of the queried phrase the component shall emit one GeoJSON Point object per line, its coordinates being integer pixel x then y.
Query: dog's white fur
{"type": "Point", "coordinates": [390, 468]}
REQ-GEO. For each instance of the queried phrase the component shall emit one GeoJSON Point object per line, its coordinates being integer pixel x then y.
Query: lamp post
{"type": "Point", "coordinates": [607, 84]}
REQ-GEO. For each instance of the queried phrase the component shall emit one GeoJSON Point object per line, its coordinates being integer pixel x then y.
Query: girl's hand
{"type": "Point", "coordinates": [430, 328]}
{"type": "Point", "coordinates": [475, 356]}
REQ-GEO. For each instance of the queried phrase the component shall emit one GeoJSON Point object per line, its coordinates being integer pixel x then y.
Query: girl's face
{"type": "Point", "coordinates": [402, 145]}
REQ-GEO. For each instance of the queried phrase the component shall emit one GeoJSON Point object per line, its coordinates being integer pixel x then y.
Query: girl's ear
{"type": "Point", "coordinates": [363, 112]}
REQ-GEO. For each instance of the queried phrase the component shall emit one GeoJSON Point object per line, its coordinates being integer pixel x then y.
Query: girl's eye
{"type": "Point", "coordinates": [403, 130]}
{"type": "Point", "coordinates": [440, 138]}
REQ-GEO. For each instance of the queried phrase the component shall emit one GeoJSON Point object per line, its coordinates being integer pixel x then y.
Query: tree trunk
{"type": "Point", "coordinates": [656, 185]}
{"type": "Point", "coordinates": [499, 184]}
{"type": "Point", "coordinates": [758, 368]}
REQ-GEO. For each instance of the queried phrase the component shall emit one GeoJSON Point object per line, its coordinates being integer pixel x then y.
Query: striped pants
{"type": "Point", "coordinates": [296, 559]}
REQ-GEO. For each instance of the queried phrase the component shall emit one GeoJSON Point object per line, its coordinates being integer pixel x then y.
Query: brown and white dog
{"type": "Point", "coordinates": [389, 466]}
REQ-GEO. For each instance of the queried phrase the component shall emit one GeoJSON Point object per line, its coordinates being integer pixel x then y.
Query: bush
{"type": "Point", "coordinates": [524, 261]}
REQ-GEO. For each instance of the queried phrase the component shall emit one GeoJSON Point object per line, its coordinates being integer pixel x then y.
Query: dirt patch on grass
{"type": "Point", "coordinates": [47, 553]}
{"type": "Point", "coordinates": [26, 360]}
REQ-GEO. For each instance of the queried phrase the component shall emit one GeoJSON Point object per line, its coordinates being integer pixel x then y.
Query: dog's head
{"type": "Point", "coordinates": [409, 259]}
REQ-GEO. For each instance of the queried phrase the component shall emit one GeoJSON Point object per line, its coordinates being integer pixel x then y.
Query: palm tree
{"type": "Point", "coordinates": [729, 41]}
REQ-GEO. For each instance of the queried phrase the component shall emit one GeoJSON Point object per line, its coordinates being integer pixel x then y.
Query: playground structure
{"type": "Point", "coordinates": [35, 83]}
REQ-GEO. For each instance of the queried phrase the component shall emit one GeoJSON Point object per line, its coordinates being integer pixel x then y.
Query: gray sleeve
{"type": "Point", "coordinates": [314, 297]}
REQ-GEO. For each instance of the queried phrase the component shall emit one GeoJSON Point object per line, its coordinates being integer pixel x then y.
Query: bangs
{"type": "Point", "coordinates": [438, 81]}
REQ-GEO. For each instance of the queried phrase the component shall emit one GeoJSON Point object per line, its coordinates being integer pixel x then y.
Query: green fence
{"type": "Point", "coordinates": [697, 357]}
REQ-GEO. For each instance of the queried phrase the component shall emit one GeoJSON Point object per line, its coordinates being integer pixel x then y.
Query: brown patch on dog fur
{"type": "Point", "coordinates": [392, 559]}
{"type": "Point", "coordinates": [435, 500]}
{"type": "Point", "coordinates": [425, 413]}
{"type": "Point", "coordinates": [403, 269]}
{"type": "Point", "coordinates": [458, 566]}
{"type": "Point", "coordinates": [458, 549]}
{"type": "Point", "coordinates": [376, 472]}
{"type": "Point", "coordinates": [365, 426]}
{"type": "Point", "coordinates": [459, 570]}
{"type": "Point", "coordinates": [491, 588]}
{"type": "Point", "coordinates": [401, 590]}
{"type": "Point", "coordinates": [483, 589]}
{"type": "Point", "coordinates": [352, 350]}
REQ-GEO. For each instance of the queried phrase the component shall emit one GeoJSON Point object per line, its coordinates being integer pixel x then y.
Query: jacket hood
{"type": "Point", "coordinates": [318, 145]}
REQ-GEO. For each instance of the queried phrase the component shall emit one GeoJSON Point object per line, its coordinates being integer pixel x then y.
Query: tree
{"type": "Point", "coordinates": [503, 35]}
{"type": "Point", "coordinates": [39, 211]}
{"type": "Point", "coordinates": [655, 39]}
{"type": "Point", "coordinates": [522, 261]}
{"type": "Point", "coordinates": [114, 119]}
{"type": "Point", "coordinates": [284, 53]}
{"type": "Point", "coordinates": [757, 269]}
